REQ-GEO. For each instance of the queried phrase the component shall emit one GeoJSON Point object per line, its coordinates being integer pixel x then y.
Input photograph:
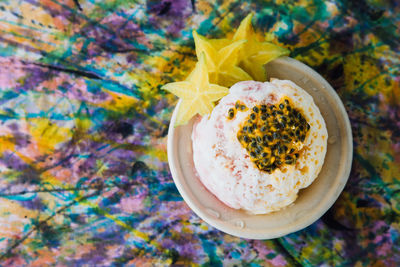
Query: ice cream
{"type": "Point", "coordinates": [261, 144]}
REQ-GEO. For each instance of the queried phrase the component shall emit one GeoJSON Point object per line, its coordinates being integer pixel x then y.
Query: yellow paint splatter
{"type": "Point", "coordinates": [6, 144]}
{"type": "Point", "coordinates": [47, 135]}
{"type": "Point", "coordinates": [118, 102]}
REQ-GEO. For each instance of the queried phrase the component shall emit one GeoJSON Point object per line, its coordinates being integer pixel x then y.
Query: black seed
{"type": "Point", "coordinates": [263, 108]}
{"type": "Point", "coordinates": [255, 109]}
{"type": "Point", "coordinates": [254, 126]}
{"type": "Point", "coordinates": [242, 107]}
{"type": "Point", "coordinates": [286, 102]}
{"type": "Point", "coordinates": [284, 148]}
{"type": "Point", "coordinates": [308, 126]}
{"type": "Point", "coordinates": [253, 144]}
{"type": "Point", "coordinates": [301, 127]}
{"type": "Point", "coordinates": [291, 150]}
{"type": "Point", "coordinates": [246, 139]}
{"type": "Point", "coordinates": [257, 151]}
{"type": "Point", "coordinates": [264, 154]}
{"type": "Point", "coordinates": [253, 139]}
{"type": "Point", "coordinates": [298, 115]}
{"type": "Point", "coordinates": [263, 128]}
{"type": "Point", "coordinates": [250, 129]}
{"type": "Point", "coordinates": [289, 161]}
{"type": "Point", "coordinates": [276, 135]}
{"type": "Point", "coordinates": [263, 117]}
{"type": "Point", "coordinates": [297, 155]}
{"type": "Point", "coordinates": [245, 129]}
{"type": "Point", "coordinates": [252, 154]}
{"type": "Point", "coordinates": [279, 150]}
{"type": "Point", "coordinates": [302, 138]}
{"type": "Point", "coordinates": [285, 137]}
{"type": "Point", "coordinates": [265, 144]}
{"type": "Point", "coordinates": [288, 157]}
{"type": "Point", "coordinates": [270, 138]}
{"type": "Point", "coordinates": [279, 112]}
{"type": "Point", "coordinates": [288, 108]}
{"type": "Point", "coordinates": [297, 132]}
{"type": "Point", "coordinates": [258, 138]}
{"type": "Point", "coordinates": [281, 106]}
{"type": "Point", "coordinates": [252, 116]}
{"type": "Point", "coordinates": [291, 134]}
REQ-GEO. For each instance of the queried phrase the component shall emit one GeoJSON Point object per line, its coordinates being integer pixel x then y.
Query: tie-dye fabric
{"type": "Point", "coordinates": [84, 178]}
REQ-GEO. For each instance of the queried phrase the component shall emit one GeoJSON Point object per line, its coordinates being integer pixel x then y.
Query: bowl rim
{"type": "Point", "coordinates": [318, 211]}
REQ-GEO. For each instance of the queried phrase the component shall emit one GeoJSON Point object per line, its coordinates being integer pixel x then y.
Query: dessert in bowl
{"type": "Point", "coordinates": [270, 216]}
{"type": "Point", "coordinates": [256, 159]}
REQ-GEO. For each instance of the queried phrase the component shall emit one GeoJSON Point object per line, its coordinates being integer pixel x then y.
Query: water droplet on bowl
{"type": "Point", "coordinates": [240, 224]}
{"type": "Point", "coordinates": [213, 213]}
{"type": "Point", "coordinates": [314, 89]}
{"type": "Point", "coordinates": [304, 79]}
{"type": "Point", "coordinates": [332, 139]}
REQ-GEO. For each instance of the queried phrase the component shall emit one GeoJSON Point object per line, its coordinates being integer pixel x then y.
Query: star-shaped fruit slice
{"type": "Point", "coordinates": [222, 57]}
{"type": "Point", "coordinates": [255, 52]}
{"type": "Point", "coordinates": [197, 94]}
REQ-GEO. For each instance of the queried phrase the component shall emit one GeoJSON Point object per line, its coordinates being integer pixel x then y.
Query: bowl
{"type": "Point", "coordinates": [312, 202]}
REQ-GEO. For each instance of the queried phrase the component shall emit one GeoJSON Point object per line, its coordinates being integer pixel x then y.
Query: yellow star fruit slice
{"type": "Point", "coordinates": [222, 57]}
{"type": "Point", "coordinates": [196, 93]}
{"type": "Point", "coordinates": [255, 52]}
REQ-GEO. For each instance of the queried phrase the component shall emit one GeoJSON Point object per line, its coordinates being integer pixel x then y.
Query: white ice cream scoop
{"type": "Point", "coordinates": [224, 165]}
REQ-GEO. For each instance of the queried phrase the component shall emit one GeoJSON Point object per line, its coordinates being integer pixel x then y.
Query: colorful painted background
{"type": "Point", "coordinates": [84, 178]}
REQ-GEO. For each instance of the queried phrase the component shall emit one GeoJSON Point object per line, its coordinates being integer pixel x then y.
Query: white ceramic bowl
{"type": "Point", "coordinates": [312, 201]}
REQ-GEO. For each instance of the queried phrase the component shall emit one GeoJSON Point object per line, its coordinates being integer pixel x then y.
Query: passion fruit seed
{"type": "Point", "coordinates": [271, 134]}
{"type": "Point", "coordinates": [231, 113]}
{"type": "Point", "coordinates": [239, 106]}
